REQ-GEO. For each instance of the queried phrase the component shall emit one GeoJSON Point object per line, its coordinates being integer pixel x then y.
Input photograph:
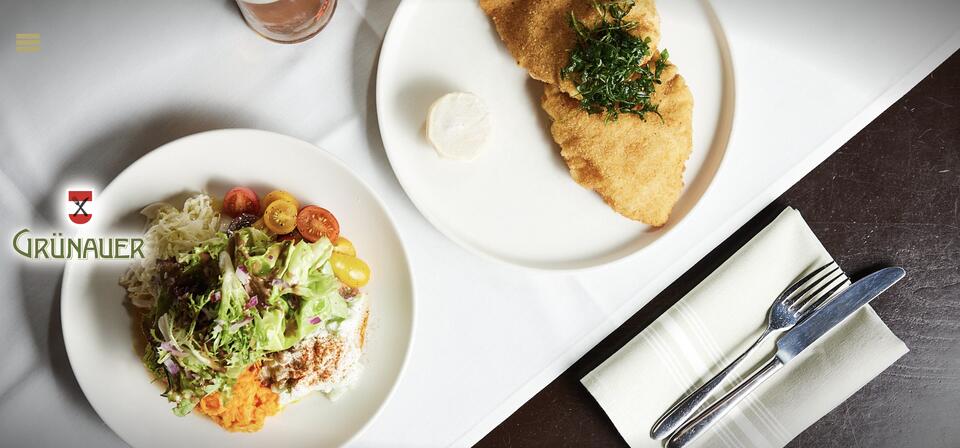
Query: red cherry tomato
{"type": "Point", "coordinates": [241, 200]}
{"type": "Point", "coordinates": [314, 222]}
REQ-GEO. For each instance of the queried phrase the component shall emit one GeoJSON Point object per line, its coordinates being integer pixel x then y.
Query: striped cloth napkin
{"type": "Point", "coordinates": [715, 322]}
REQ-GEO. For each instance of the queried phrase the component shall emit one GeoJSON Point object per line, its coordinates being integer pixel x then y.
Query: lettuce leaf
{"type": "Point", "coordinates": [233, 298]}
{"type": "Point", "coordinates": [320, 303]}
{"type": "Point", "coordinates": [269, 329]}
{"type": "Point", "coordinates": [304, 257]}
{"type": "Point", "coordinates": [212, 246]}
{"type": "Point", "coordinates": [251, 241]}
{"type": "Point", "coordinates": [264, 263]}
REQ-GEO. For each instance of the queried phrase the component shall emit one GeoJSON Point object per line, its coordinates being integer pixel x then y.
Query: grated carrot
{"type": "Point", "coordinates": [249, 405]}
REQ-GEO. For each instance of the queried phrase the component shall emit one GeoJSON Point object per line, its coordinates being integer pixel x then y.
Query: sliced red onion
{"type": "Point", "coordinates": [251, 303]}
{"type": "Point", "coordinates": [171, 366]}
{"type": "Point", "coordinates": [215, 297]}
{"type": "Point", "coordinates": [172, 349]}
{"type": "Point", "coordinates": [279, 282]}
{"type": "Point", "coordinates": [315, 320]}
{"type": "Point", "coordinates": [243, 275]}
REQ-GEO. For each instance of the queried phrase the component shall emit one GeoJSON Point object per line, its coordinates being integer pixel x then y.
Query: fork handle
{"type": "Point", "coordinates": [716, 411]}
{"type": "Point", "coordinates": [680, 412]}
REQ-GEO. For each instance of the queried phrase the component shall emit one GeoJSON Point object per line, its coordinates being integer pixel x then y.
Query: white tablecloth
{"type": "Point", "coordinates": [116, 78]}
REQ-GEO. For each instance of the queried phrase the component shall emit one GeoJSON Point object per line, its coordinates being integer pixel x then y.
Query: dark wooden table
{"type": "Point", "coordinates": [890, 196]}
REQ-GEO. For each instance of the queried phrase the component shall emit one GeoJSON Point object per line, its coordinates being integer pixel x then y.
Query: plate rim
{"type": "Point", "coordinates": [405, 362]}
{"type": "Point", "coordinates": [727, 113]}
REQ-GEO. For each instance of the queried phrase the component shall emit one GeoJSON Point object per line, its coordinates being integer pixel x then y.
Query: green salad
{"type": "Point", "coordinates": [223, 287]}
{"type": "Point", "coordinates": [206, 328]}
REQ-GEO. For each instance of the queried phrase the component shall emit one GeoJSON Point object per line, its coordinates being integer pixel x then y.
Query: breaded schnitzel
{"type": "Point", "coordinates": [636, 165]}
{"type": "Point", "coordinates": [538, 35]}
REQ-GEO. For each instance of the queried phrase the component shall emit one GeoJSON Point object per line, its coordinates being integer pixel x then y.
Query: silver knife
{"type": "Point", "coordinates": [803, 335]}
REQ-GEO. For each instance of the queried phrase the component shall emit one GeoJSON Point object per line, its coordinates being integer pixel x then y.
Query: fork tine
{"type": "Point", "coordinates": [804, 293]}
{"type": "Point", "coordinates": [815, 295]}
{"type": "Point", "coordinates": [790, 289]}
{"type": "Point", "coordinates": [820, 301]}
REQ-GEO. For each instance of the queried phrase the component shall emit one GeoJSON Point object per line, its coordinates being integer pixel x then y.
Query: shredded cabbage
{"type": "Point", "coordinates": [170, 232]}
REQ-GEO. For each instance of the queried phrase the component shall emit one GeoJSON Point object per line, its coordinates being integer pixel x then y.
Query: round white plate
{"type": "Point", "coordinates": [97, 329]}
{"type": "Point", "coordinates": [517, 202]}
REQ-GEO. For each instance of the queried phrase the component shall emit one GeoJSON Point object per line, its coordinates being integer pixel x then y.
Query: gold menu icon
{"type": "Point", "coordinates": [28, 42]}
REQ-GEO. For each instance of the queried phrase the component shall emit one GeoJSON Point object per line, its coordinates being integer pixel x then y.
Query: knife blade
{"type": "Point", "coordinates": [833, 312]}
{"type": "Point", "coordinates": [792, 343]}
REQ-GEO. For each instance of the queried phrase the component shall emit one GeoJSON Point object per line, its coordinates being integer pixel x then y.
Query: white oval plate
{"type": "Point", "coordinates": [517, 202]}
{"type": "Point", "coordinates": [97, 329]}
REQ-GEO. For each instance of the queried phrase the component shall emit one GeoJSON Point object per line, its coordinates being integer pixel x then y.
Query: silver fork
{"type": "Point", "coordinates": [787, 309]}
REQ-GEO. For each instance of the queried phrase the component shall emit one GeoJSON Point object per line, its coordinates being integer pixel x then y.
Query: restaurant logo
{"type": "Point", "coordinates": [56, 245]}
{"type": "Point", "coordinates": [80, 199]}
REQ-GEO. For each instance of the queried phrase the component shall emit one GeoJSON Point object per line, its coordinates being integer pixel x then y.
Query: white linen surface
{"type": "Point", "coordinates": [116, 79]}
{"type": "Point", "coordinates": [715, 322]}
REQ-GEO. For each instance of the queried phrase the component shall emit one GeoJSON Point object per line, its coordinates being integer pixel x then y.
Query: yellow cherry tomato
{"type": "Point", "coordinates": [351, 270]}
{"type": "Point", "coordinates": [279, 195]}
{"type": "Point", "coordinates": [280, 217]}
{"type": "Point", "coordinates": [344, 246]}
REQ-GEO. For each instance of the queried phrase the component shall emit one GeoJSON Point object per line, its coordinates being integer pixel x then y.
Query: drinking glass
{"type": "Point", "coordinates": [287, 21]}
